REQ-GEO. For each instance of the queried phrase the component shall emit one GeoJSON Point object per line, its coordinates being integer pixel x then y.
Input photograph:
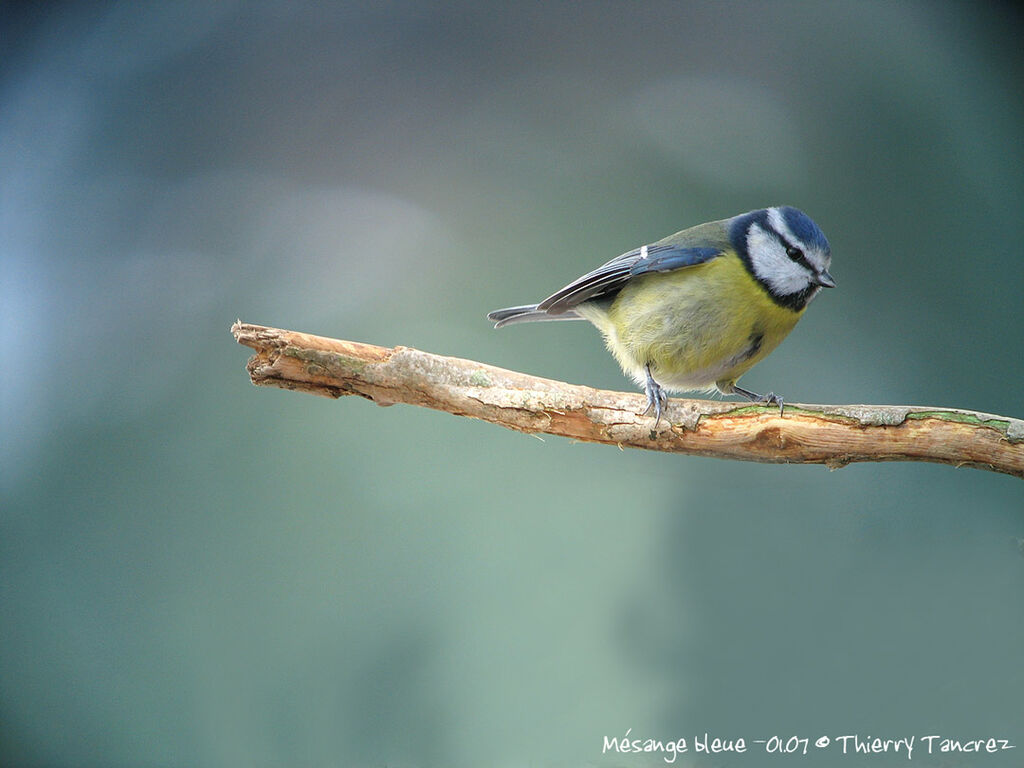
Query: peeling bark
{"type": "Point", "coordinates": [834, 435]}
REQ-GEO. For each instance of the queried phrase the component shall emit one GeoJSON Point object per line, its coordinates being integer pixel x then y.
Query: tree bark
{"type": "Point", "coordinates": [834, 435]}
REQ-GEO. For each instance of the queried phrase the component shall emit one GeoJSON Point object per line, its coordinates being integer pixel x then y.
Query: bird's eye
{"type": "Point", "coordinates": [794, 253]}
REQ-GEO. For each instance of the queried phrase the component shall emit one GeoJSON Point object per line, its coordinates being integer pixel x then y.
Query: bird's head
{"type": "Point", "coordinates": [785, 252]}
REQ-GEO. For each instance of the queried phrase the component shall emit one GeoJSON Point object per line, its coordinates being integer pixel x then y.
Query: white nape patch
{"type": "Point", "coordinates": [771, 264]}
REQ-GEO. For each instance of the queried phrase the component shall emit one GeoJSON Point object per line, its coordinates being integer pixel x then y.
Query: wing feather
{"type": "Point", "coordinates": [610, 277]}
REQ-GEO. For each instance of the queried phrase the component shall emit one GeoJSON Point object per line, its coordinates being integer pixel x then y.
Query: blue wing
{"type": "Point", "coordinates": [668, 258]}
{"type": "Point", "coordinates": [609, 278]}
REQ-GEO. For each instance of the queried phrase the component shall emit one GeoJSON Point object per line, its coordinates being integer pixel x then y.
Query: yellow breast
{"type": "Point", "coordinates": [696, 326]}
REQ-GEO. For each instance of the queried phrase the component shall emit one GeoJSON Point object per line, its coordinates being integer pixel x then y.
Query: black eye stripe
{"type": "Point", "coordinates": [794, 252]}
{"type": "Point", "coordinates": [798, 256]}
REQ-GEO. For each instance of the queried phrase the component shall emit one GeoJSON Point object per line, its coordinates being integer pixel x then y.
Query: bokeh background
{"type": "Point", "coordinates": [196, 572]}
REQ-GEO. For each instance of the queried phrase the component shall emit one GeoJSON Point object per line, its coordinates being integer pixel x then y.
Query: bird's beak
{"type": "Point", "coordinates": [824, 279]}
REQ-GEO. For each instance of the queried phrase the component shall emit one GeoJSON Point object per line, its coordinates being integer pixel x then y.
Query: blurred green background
{"type": "Point", "coordinates": [196, 572]}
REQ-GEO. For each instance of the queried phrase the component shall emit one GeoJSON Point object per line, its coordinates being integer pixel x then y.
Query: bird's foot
{"type": "Point", "coordinates": [770, 399]}
{"type": "Point", "coordinates": [656, 397]}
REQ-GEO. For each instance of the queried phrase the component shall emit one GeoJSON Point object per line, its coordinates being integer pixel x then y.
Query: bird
{"type": "Point", "coordinates": [696, 310]}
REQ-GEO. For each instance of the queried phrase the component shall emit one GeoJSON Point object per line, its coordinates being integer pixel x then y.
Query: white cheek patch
{"type": "Point", "coordinates": [771, 264]}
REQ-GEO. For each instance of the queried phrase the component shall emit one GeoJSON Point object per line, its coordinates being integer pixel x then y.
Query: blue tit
{"type": "Point", "coordinates": [699, 308]}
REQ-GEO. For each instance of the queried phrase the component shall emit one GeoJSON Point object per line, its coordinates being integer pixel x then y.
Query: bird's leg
{"type": "Point", "coordinates": [770, 399]}
{"type": "Point", "coordinates": [656, 397]}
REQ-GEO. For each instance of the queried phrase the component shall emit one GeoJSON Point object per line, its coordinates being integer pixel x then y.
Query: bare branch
{"type": "Point", "coordinates": [834, 435]}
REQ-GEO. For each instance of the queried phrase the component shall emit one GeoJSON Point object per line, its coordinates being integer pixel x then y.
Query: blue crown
{"type": "Point", "coordinates": [801, 225]}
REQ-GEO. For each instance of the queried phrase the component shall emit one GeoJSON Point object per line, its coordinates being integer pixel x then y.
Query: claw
{"type": "Point", "coordinates": [770, 399]}
{"type": "Point", "coordinates": [656, 397]}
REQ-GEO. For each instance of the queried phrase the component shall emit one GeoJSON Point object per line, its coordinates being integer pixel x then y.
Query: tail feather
{"type": "Point", "coordinates": [528, 313]}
